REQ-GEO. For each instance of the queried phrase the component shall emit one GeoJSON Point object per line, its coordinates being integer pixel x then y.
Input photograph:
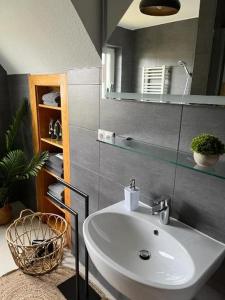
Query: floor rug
{"type": "Point", "coordinates": [19, 286]}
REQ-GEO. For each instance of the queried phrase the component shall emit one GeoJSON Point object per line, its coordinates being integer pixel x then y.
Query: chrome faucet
{"type": "Point", "coordinates": [162, 207]}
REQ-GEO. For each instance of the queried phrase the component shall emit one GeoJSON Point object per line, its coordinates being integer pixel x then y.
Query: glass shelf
{"type": "Point", "coordinates": [178, 158]}
{"type": "Point", "coordinates": [167, 99]}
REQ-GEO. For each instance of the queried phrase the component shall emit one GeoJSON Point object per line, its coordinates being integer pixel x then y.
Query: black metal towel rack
{"type": "Point", "coordinates": [68, 287]}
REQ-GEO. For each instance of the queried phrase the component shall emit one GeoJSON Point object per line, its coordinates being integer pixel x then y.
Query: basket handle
{"type": "Point", "coordinates": [27, 212]}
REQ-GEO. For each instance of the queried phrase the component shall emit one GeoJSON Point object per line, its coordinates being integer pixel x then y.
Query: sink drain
{"type": "Point", "coordinates": [144, 254]}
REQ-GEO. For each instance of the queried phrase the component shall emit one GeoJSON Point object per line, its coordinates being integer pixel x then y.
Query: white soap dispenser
{"type": "Point", "coordinates": [132, 195]}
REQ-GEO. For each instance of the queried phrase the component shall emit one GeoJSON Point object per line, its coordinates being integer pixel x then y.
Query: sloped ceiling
{"type": "Point", "coordinates": [43, 36]}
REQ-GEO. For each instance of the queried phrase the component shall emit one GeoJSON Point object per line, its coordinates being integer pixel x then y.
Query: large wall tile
{"type": "Point", "coordinates": [88, 182]}
{"type": "Point", "coordinates": [109, 192]}
{"type": "Point", "coordinates": [84, 105]}
{"type": "Point", "coordinates": [199, 201]}
{"type": "Point", "coordinates": [154, 177]}
{"type": "Point", "coordinates": [84, 150]}
{"type": "Point", "coordinates": [84, 76]}
{"type": "Point", "coordinates": [153, 123]}
{"type": "Point", "coordinates": [197, 120]}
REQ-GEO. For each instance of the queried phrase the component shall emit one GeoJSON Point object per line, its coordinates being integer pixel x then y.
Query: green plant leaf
{"type": "Point", "coordinates": [207, 144]}
{"type": "Point", "coordinates": [35, 165]}
{"type": "Point", "coordinates": [12, 165]}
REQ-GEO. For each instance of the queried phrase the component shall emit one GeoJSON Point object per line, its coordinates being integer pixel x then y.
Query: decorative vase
{"type": "Point", "coordinates": [5, 214]}
{"type": "Point", "coordinates": [203, 160]}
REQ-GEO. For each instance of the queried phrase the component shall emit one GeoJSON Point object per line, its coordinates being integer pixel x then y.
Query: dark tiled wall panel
{"type": "Point", "coordinates": [153, 177]}
{"type": "Point", "coordinates": [199, 201]}
{"type": "Point", "coordinates": [103, 171]}
{"type": "Point", "coordinates": [197, 120]}
{"type": "Point", "coordinates": [84, 76]}
{"type": "Point", "coordinates": [84, 148]}
{"type": "Point", "coordinates": [80, 97]}
{"type": "Point", "coordinates": [154, 123]}
{"type": "Point", "coordinates": [84, 105]}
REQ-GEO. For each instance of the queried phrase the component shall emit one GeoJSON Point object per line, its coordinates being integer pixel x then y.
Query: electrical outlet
{"type": "Point", "coordinates": [106, 136]}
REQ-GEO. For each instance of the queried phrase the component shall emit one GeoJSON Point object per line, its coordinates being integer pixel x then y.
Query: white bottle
{"type": "Point", "coordinates": [132, 195]}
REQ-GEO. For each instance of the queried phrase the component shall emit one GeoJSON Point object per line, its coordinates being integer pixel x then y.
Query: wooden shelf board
{"type": "Point", "coordinates": [47, 198]}
{"type": "Point", "coordinates": [51, 173]}
{"type": "Point", "coordinates": [49, 107]}
{"type": "Point", "coordinates": [53, 142]}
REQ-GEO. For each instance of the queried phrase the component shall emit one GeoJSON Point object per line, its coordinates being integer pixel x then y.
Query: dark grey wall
{"type": "Point", "coordinates": [90, 13]}
{"type": "Point", "coordinates": [124, 40]}
{"type": "Point", "coordinates": [18, 90]}
{"type": "Point", "coordinates": [114, 10]}
{"type": "Point", "coordinates": [13, 89]}
{"type": "Point", "coordinates": [99, 24]}
{"type": "Point", "coordinates": [204, 44]}
{"type": "Point", "coordinates": [102, 171]}
{"type": "Point", "coordinates": [216, 72]}
{"type": "Point", "coordinates": [4, 103]}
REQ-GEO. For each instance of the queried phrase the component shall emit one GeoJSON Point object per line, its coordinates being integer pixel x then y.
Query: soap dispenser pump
{"type": "Point", "coordinates": [132, 195]}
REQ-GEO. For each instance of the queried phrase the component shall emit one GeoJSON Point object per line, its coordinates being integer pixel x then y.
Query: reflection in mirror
{"type": "Point", "coordinates": [148, 55]}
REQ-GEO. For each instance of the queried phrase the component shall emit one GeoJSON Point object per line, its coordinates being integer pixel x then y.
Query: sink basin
{"type": "Point", "coordinates": [178, 259]}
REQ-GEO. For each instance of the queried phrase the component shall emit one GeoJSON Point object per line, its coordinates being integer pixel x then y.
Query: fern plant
{"type": "Point", "coordinates": [14, 165]}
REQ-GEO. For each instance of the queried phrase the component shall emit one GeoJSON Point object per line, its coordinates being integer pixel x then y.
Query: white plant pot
{"type": "Point", "coordinates": [205, 160]}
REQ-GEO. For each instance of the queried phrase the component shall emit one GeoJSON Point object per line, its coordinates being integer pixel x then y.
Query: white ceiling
{"type": "Point", "coordinates": [43, 36]}
{"type": "Point", "coordinates": [134, 19]}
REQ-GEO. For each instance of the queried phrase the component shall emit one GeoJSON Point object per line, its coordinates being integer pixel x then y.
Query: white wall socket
{"type": "Point", "coordinates": [106, 136]}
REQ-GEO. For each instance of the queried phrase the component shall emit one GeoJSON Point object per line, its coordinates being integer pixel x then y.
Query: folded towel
{"type": "Point", "coordinates": [55, 171]}
{"type": "Point", "coordinates": [60, 198]}
{"type": "Point", "coordinates": [57, 189]}
{"type": "Point", "coordinates": [50, 104]}
{"type": "Point", "coordinates": [52, 97]}
{"type": "Point", "coordinates": [53, 166]}
{"type": "Point", "coordinates": [55, 160]}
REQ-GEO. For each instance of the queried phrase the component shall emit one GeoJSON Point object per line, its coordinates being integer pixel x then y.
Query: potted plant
{"type": "Point", "coordinates": [14, 165]}
{"type": "Point", "coordinates": [207, 150]}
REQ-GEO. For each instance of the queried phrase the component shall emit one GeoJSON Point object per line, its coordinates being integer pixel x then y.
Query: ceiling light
{"type": "Point", "coordinates": [159, 7]}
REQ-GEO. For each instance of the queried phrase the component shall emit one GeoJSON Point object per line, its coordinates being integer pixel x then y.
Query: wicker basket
{"type": "Point", "coordinates": [36, 241]}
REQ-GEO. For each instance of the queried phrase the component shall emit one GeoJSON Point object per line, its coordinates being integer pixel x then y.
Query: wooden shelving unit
{"type": "Point", "coordinates": [41, 115]}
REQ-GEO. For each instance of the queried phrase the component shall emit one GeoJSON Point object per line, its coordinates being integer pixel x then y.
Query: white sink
{"type": "Point", "coordinates": [181, 258]}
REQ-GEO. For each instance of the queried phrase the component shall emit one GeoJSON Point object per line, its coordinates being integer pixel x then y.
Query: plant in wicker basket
{"type": "Point", "coordinates": [14, 165]}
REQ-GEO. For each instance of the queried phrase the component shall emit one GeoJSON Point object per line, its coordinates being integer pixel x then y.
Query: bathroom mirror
{"type": "Point", "coordinates": [160, 58]}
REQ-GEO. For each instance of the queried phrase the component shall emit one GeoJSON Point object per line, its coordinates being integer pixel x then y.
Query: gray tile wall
{"type": "Point", "coordinates": [124, 40]}
{"type": "Point", "coordinates": [103, 171]}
